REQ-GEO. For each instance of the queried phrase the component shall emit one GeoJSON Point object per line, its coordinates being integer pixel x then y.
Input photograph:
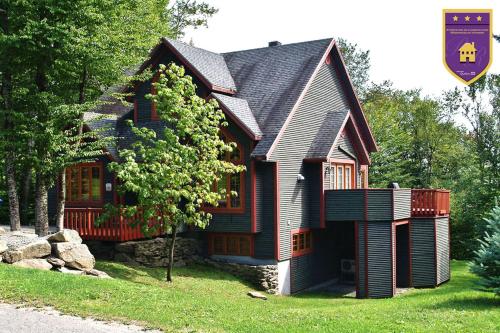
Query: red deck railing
{"type": "Point", "coordinates": [427, 202]}
{"type": "Point", "coordinates": [117, 228]}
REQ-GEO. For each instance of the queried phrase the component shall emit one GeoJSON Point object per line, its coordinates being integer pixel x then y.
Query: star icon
{"type": "Point", "coordinates": [467, 18]}
{"type": "Point", "coordinates": [479, 18]}
{"type": "Point", "coordinates": [455, 18]}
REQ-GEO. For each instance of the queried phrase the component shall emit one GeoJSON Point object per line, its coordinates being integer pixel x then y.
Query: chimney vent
{"type": "Point", "coordinates": [274, 43]}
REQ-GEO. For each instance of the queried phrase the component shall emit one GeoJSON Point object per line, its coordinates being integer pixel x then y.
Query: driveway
{"type": "Point", "coordinates": [14, 319]}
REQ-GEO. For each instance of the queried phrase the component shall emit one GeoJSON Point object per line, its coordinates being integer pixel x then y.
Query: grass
{"type": "Point", "coordinates": [203, 299]}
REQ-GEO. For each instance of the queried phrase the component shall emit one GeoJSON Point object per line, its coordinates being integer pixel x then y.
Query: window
{"type": "Point", "coordinates": [231, 183]}
{"type": "Point", "coordinates": [342, 176]}
{"type": "Point", "coordinates": [301, 243]}
{"type": "Point", "coordinates": [363, 175]}
{"type": "Point", "coordinates": [84, 183]}
{"type": "Point", "coordinates": [234, 245]}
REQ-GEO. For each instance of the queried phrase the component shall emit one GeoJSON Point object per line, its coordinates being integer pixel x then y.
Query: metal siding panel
{"type": "Point", "coordinates": [402, 204]}
{"type": "Point", "coordinates": [324, 95]}
{"type": "Point", "coordinates": [380, 265]}
{"type": "Point", "coordinates": [422, 252]}
{"type": "Point", "coordinates": [313, 188]}
{"type": "Point", "coordinates": [346, 145]}
{"type": "Point", "coordinates": [380, 205]}
{"type": "Point", "coordinates": [443, 250]}
{"type": "Point", "coordinates": [361, 262]}
{"type": "Point", "coordinates": [264, 240]}
{"type": "Point", "coordinates": [301, 273]}
{"type": "Point", "coordinates": [345, 205]}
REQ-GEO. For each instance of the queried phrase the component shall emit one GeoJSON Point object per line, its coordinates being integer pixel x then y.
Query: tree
{"type": "Point", "coordinates": [188, 13]}
{"type": "Point", "coordinates": [487, 257]}
{"type": "Point", "coordinates": [357, 63]}
{"type": "Point", "coordinates": [172, 172]}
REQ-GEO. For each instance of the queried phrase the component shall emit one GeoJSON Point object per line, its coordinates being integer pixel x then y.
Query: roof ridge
{"type": "Point", "coordinates": [194, 47]}
{"type": "Point", "coordinates": [279, 46]}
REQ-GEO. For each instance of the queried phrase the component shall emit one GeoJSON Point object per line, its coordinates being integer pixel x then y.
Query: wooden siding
{"type": "Point", "coordinates": [379, 205]}
{"type": "Point", "coordinates": [264, 239]}
{"type": "Point", "coordinates": [301, 269]}
{"type": "Point", "coordinates": [324, 95]}
{"type": "Point", "coordinates": [402, 204]}
{"type": "Point", "coordinates": [443, 250]}
{"type": "Point", "coordinates": [423, 254]}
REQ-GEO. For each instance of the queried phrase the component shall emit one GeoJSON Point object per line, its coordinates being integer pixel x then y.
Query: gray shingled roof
{"type": "Point", "coordinates": [241, 111]}
{"type": "Point", "coordinates": [329, 130]}
{"type": "Point", "coordinates": [211, 65]}
{"type": "Point", "coordinates": [271, 80]}
{"type": "Point", "coordinates": [105, 125]}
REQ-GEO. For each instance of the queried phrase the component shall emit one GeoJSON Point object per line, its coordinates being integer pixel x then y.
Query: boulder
{"type": "Point", "coordinates": [34, 263]}
{"type": "Point", "coordinates": [74, 255]}
{"type": "Point", "coordinates": [256, 294]}
{"type": "Point", "coordinates": [3, 246]}
{"type": "Point", "coordinates": [56, 262]}
{"type": "Point", "coordinates": [70, 271]}
{"type": "Point", "coordinates": [66, 235]}
{"type": "Point", "coordinates": [2, 231]}
{"type": "Point", "coordinates": [97, 273]}
{"type": "Point", "coordinates": [35, 249]}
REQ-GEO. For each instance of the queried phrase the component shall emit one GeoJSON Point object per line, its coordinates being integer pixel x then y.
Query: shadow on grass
{"type": "Point", "coordinates": [469, 303]}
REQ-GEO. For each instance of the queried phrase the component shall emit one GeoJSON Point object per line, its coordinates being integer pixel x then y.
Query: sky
{"type": "Point", "coordinates": [404, 38]}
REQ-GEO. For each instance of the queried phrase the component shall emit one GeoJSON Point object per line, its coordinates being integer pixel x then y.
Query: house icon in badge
{"type": "Point", "coordinates": [468, 52]}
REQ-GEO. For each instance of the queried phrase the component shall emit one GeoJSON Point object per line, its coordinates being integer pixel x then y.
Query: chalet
{"type": "Point", "coordinates": [468, 52]}
{"type": "Point", "coordinates": [304, 203]}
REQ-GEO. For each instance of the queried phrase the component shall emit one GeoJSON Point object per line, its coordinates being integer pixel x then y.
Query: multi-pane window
{"type": "Point", "coordinates": [301, 243]}
{"type": "Point", "coordinates": [236, 245]}
{"type": "Point", "coordinates": [233, 184]}
{"type": "Point", "coordinates": [84, 183]}
{"type": "Point", "coordinates": [342, 176]}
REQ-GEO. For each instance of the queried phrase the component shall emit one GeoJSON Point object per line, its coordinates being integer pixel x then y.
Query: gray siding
{"type": "Point", "coordinates": [380, 268]}
{"type": "Point", "coordinates": [324, 95]}
{"type": "Point", "coordinates": [143, 104]}
{"type": "Point", "coordinates": [443, 250]}
{"type": "Point", "coordinates": [423, 260]}
{"type": "Point", "coordinates": [301, 269]}
{"type": "Point", "coordinates": [264, 240]}
{"type": "Point", "coordinates": [313, 188]}
{"type": "Point", "coordinates": [346, 146]}
{"type": "Point", "coordinates": [361, 262]}
{"type": "Point", "coordinates": [379, 205]}
{"type": "Point", "coordinates": [344, 205]}
{"type": "Point", "coordinates": [402, 204]}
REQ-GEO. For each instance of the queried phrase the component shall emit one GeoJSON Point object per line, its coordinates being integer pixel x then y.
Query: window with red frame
{"type": "Point", "coordinates": [233, 184]}
{"type": "Point", "coordinates": [301, 243]}
{"type": "Point", "coordinates": [84, 183]}
{"type": "Point", "coordinates": [235, 245]}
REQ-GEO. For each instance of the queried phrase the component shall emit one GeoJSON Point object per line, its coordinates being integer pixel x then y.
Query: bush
{"type": "Point", "coordinates": [486, 263]}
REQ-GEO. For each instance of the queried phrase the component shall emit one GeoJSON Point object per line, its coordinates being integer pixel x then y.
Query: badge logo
{"type": "Point", "coordinates": [467, 42]}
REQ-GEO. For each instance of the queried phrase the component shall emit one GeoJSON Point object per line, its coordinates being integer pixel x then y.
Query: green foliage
{"type": "Point", "coordinates": [358, 65]}
{"type": "Point", "coordinates": [188, 13]}
{"type": "Point", "coordinates": [486, 263]}
{"type": "Point", "coordinates": [172, 172]}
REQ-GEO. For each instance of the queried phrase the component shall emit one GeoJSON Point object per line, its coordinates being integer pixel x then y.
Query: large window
{"type": "Point", "coordinates": [301, 243]}
{"type": "Point", "coordinates": [227, 244]}
{"type": "Point", "coordinates": [84, 183]}
{"type": "Point", "coordinates": [342, 176]}
{"type": "Point", "coordinates": [233, 184]}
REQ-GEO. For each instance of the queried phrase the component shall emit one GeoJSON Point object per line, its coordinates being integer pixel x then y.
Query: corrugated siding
{"type": "Point", "coordinates": [344, 205]}
{"type": "Point", "coordinates": [301, 273]}
{"type": "Point", "coordinates": [237, 222]}
{"type": "Point", "coordinates": [402, 204]}
{"type": "Point", "coordinates": [264, 240]}
{"type": "Point", "coordinates": [379, 205]}
{"type": "Point", "coordinates": [361, 262]}
{"type": "Point", "coordinates": [312, 172]}
{"type": "Point", "coordinates": [422, 252]}
{"type": "Point", "coordinates": [443, 250]}
{"type": "Point", "coordinates": [324, 95]}
{"type": "Point", "coordinates": [380, 265]}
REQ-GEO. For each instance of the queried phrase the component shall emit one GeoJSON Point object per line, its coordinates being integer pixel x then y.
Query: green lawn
{"type": "Point", "coordinates": [202, 299]}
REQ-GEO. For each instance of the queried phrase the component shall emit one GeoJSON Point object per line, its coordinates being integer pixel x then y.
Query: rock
{"type": "Point", "coordinates": [122, 257]}
{"type": "Point", "coordinates": [66, 235]}
{"type": "Point", "coordinates": [127, 247]}
{"type": "Point", "coordinates": [75, 255]}
{"type": "Point", "coordinates": [34, 249]}
{"type": "Point", "coordinates": [56, 262]}
{"type": "Point", "coordinates": [256, 294]}
{"type": "Point", "coordinates": [34, 263]}
{"type": "Point", "coordinates": [2, 231]}
{"type": "Point", "coordinates": [3, 246]}
{"type": "Point", "coordinates": [70, 271]}
{"type": "Point", "coordinates": [12, 256]}
{"type": "Point", "coordinates": [1, 258]}
{"type": "Point", "coordinates": [98, 273]}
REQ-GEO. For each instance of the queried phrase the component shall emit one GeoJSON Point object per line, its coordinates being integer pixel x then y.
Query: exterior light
{"type": "Point", "coordinates": [300, 178]}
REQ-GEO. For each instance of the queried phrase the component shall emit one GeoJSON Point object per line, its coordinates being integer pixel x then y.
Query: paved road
{"type": "Point", "coordinates": [28, 320]}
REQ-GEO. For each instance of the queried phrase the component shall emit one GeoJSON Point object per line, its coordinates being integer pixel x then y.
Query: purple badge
{"type": "Point", "coordinates": [467, 41]}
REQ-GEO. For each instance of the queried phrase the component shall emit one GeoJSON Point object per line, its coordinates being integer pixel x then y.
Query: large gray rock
{"type": "Point", "coordinates": [3, 246]}
{"type": "Point", "coordinates": [98, 274]}
{"type": "Point", "coordinates": [75, 255]}
{"type": "Point", "coordinates": [38, 248]}
{"type": "Point", "coordinates": [56, 262]}
{"type": "Point", "coordinates": [70, 271]}
{"type": "Point", "coordinates": [34, 263]}
{"type": "Point", "coordinates": [66, 235]}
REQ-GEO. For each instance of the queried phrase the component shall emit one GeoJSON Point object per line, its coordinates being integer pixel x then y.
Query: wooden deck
{"type": "Point", "coordinates": [430, 202]}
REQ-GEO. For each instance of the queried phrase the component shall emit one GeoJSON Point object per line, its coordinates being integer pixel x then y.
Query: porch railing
{"type": "Point", "coordinates": [430, 202]}
{"type": "Point", "coordinates": [117, 228]}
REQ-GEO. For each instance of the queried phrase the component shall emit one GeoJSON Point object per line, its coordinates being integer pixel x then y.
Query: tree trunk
{"type": "Point", "coordinates": [41, 212]}
{"type": "Point", "coordinates": [171, 254]}
{"type": "Point", "coordinates": [61, 201]}
{"type": "Point", "coordinates": [15, 220]}
{"type": "Point", "coordinates": [25, 198]}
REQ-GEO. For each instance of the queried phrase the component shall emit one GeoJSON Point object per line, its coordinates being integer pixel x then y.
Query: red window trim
{"type": "Point", "coordinates": [230, 210]}
{"type": "Point", "coordinates": [90, 202]}
{"type": "Point", "coordinates": [211, 237]}
{"type": "Point", "coordinates": [298, 253]}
